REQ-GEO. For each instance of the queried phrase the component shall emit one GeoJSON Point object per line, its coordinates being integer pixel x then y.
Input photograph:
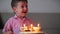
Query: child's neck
{"type": "Point", "coordinates": [22, 17]}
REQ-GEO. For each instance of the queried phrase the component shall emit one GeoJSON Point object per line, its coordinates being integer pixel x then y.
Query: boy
{"type": "Point", "coordinates": [20, 8]}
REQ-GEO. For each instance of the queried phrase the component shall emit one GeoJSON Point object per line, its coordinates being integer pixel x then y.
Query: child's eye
{"type": "Point", "coordinates": [26, 6]}
{"type": "Point", "coordinates": [22, 6]}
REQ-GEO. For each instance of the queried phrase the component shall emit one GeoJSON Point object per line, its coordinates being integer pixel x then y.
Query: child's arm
{"type": "Point", "coordinates": [8, 27]}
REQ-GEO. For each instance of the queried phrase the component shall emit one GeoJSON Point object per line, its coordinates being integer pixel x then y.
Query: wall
{"type": "Point", "coordinates": [35, 6]}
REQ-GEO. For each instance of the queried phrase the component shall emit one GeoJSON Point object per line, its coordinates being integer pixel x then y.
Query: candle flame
{"type": "Point", "coordinates": [38, 25]}
{"type": "Point", "coordinates": [31, 25]}
{"type": "Point", "coordinates": [24, 25]}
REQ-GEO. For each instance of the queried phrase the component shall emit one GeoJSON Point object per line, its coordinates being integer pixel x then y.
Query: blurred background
{"type": "Point", "coordinates": [47, 12]}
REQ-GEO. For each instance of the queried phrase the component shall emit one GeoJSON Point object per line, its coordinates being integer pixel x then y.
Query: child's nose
{"type": "Point", "coordinates": [25, 8]}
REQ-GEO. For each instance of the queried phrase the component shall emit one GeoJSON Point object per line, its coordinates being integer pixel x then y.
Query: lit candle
{"type": "Point", "coordinates": [23, 28]}
{"type": "Point", "coordinates": [24, 25]}
{"type": "Point", "coordinates": [38, 25]}
{"type": "Point", "coordinates": [31, 25]}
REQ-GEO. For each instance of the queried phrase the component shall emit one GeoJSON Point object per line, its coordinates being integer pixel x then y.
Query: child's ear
{"type": "Point", "coordinates": [14, 9]}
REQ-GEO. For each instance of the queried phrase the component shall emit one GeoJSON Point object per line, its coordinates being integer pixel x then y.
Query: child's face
{"type": "Point", "coordinates": [21, 9]}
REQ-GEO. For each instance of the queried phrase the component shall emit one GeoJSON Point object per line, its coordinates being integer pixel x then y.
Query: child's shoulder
{"type": "Point", "coordinates": [10, 19]}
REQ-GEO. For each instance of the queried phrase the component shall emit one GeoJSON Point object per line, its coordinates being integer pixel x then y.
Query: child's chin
{"type": "Point", "coordinates": [23, 15]}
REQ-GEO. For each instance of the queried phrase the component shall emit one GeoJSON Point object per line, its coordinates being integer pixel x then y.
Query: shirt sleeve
{"type": "Point", "coordinates": [8, 26]}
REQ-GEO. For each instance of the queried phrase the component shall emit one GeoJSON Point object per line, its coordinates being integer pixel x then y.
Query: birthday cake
{"type": "Point", "coordinates": [31, 29]}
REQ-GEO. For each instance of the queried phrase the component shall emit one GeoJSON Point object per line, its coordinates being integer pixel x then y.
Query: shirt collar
{"type": "Point", "coordinates": [15, 16]}
{"type": "Point", "coordinates": [18, 17]}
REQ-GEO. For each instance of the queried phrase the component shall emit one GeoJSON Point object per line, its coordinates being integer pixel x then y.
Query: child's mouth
{"type": "Point", "coordinates": [24, 12]}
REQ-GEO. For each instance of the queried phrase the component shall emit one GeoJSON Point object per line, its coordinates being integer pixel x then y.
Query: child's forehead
{"type": "Point", "coordinates": [22, 3]}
